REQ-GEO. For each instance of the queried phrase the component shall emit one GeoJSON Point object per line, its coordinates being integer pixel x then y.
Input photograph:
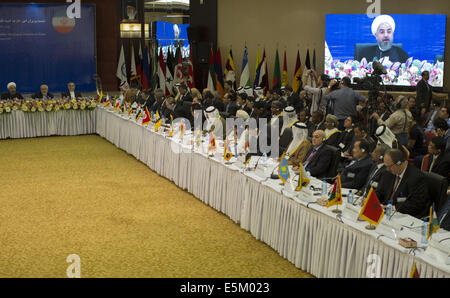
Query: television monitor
{"type": "Point", "coordinates": [171, 36]}
{"type": "Point", "coordinates": [406, 45]}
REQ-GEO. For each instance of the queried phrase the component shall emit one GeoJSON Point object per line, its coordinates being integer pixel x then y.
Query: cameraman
{"type": "Point", "coordinates": [345, 100]}
{"type": "Point", "coordinates": [318, 94]}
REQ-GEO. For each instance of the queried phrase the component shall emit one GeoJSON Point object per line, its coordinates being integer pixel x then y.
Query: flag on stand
{"type": "Point", "coordinates": [162, 72]}
{"type": "Point", "coordinates": [178, 71]}
{"type": "Point", "coordinates": [283, 169]}
{"type": "Point", "coordinates": [145, 75]}
{"type": "Point", "coordinates": [297, 80]}
{"type": "Point", "coordinates": [433, 223]}
{"type": "Point", "coordinates": [265, 75]}
{"type": "Point", "coordinates": [116, 108]}
{"type": "Point", "coordinates": [303, 180]}
{"type": "Point", "coordinates": [372, 211]}
{"type": "Point", "coordinates": [276, 84]}
{"type": "Point", "coordinates": [138, 115]}
{"type": "Point", "coordinates": [218, 73]}
{"type": "Point", "coordinates": [182, 130]}
{"type": "Point", "coordinates": [284, 76]}
{"type": "Point", "coordinates": [307, 61]}
{"type": "Point", "coordinates": [171, 125]}
{"type": "Point", "coordinates": [230, 72]}
{"type": "Point", "coordinates": [245, 73]}
{"type": "Point", "coordinates": [100, 96]}
{"type": "Point", "coordinates": [257, 63]}
{"type": "Point", "coordinates": [130, 111]}
{"type": "Point", "coordinates": [211, 85]}
{"type": "Point", "coordinates": [154, 80]}
{"type": "Point", "coordinates": [314, 60]}
{"type": "Point", "coordinates": [147, 118]}
{"type": "Point", "coordinates": [336, 194]}
{"type": "Point", "coordinates": [121, 72]}
{"type": "Point", "coordinates": [212, 142]}
{"type": "Point", "coordinates": [190, 79]}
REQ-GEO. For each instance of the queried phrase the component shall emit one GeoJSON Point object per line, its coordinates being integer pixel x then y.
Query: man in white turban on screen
{"type": "Point", "coordinates": [383, 28]}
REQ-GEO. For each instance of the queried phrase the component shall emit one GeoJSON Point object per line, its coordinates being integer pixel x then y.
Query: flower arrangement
{"type": "Point", "coordinates": [402, 74]}
{"type": "Point", "coordinates": [52, 105]}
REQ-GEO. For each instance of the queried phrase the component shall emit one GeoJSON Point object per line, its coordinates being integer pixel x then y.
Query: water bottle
{"type": "Point", "coordinates": [308, 174]}
{"type": "Point", "coordinates": [265, 159]}
{"type": "Point", "coordinates": [324, 188]}
{"type": "Point", "coordinates": [388, 210]}
{"type": "Point", "coordinates": [350, 197]}
{"type": "Point", "coordinates": [424, 232]}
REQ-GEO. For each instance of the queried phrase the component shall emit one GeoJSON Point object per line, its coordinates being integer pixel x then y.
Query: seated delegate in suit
{"type": "Point", "coordinates": [43, 93]}
{"type": "Point", "coordinates": [438, 160]}
{"type": "Point", "coordinates": [383, 28]}
{"type": "Point", "coordinates": [377, 169]}
{"type": "Point", "coordinates": [12, 92]}
{"type": "Point", "coordinates": [72, 94]}
{"type": "Point", "coordinates": [346, 138]}
{"type": "Point", "coordinates": [355, 173]}
{"type": "Point", "coordinates": [299, 146]}
{"type": "Point", "coordinates": [332, 133]}
{"type": "Point", "coordinates": [404, 185]}
{"type": "Point", "coordinates": [318, 159]}
{"type": "Point", "coordinates": [317, 123]}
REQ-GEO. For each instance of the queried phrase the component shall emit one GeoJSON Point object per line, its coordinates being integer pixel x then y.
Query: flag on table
{"type": "Point", "coordinates": [121, 72]}
{"type": "Point", "coordinates": [190, 79]}
{"type": "Point", "coordinates": [245, 73]}
{"type": "Point", "coordinates": [138, 115]}
{"type": "Point", "coordinates": [147, 118]}
{"type": "Point", "coordinates": [171, 126]}
{"type": "Point", "coordinates": [116, 108]}
{"type": "Point", "coordinates": [100, 96]}
{"type": "Point", "coordinates": [433, 224]}
{"type": "Point", "coordinates": [107, 101]}
{"type": "Point", "coordinates": [303, 180]}
{"type": "Point", "coordinates": [198, 139]}
{"type": "Point", "coordinates": [414, 272]}
{"type": "Point", "coordinates": [307, 61]}
{"type": "Point", "coordinates": [283, 169]}
{"type": "Point", "coordinates": [372, 211]}
{"type": "Point", "coordinates": [230, 72]}
{"type": "Point", "coordinates": [130, 111]}
{"type": "Point", "coordinates": [162, 72]}
{"type": "Point", "coordinates": [297, 80]}
{"type": "Point", "coordinates": [158, 121]}
{"type": "Point", "coordinates": [182, 130]}
{"type": "Point", "coordinates": [218, 73]}
{"type": "Point", "coordinates": [276, 83]}
{"type": "Point", "coordinates": [284, 76]}
{"type": "Point", "coordinates": [211, 85]}
{"type": "Point", "coordinates": [227, 155]}
{"type": "Point", "coordinates": [336, 194]}
{"type": "Point", "coordinates": [212, 142]}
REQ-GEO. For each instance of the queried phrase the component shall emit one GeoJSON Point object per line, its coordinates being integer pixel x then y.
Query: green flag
{"type": "Point", "coordinates": [276, 73]}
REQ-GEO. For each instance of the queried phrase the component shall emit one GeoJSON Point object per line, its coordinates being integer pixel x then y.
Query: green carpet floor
{"type": "Point", "coordinates": [82, 195]}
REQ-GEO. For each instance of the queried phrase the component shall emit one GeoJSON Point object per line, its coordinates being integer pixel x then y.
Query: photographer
{"type": "Point", "coordinates": [345, 100]}
{"type": "Point", "coordinates": [318, 101]}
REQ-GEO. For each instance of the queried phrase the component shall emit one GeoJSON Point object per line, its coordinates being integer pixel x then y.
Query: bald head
{"type": "Point", "coordinates": [44, 89]}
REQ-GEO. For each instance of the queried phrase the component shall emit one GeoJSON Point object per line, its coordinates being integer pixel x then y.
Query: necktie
{"type": "Point", "coordinates": [394, 190]}
{"type": "Point", "coordinates": [310, 156]}
{"type": "Point", "coordinates": [432, 163]}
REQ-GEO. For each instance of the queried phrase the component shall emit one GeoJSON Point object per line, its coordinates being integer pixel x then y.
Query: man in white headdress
{"type": "Point", "coordinates": [12, 92]}
{"type": "Point", "coordinates": [299, 146]}
{"type": "Point", "coordinates": [386, 136]}
{"type": "Point", "coordinates": [215, 123]}
{"type": "Point", "coordinates": [383, 28]}
{"type": "Point", "coordinates": [289, 119]}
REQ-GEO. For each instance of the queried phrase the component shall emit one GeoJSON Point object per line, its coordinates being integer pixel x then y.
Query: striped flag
{"type": "Point", "coordinates": [218, 73]}
{"type": "Point", "coordinates": [284, 76]}
{"type": "Point", "coordinates": [336, 194]}
{"type": "Point", "coordinates": [230, 71]}
{"type": "Point", "coordinates": [414, 272]}
{"type": "Point", "coordinates": [162, 72]}
{"type": "Point", "coordinates": [433, 223]}
{"type": "Point", "coordinates": [211, 85]}
{"type": "Point", "coordinates": [257, 63]}
{"type": "Point", "coordinates": [245, 73]}
{"type": "Point", "coordinates": [297, 80]}
{"type": "Point", "coordinates": [276, 84]}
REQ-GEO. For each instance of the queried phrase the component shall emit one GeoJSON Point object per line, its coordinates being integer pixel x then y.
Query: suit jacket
{"type": "Point", "coordinates": [346, 140]}
{"type": "Point", "coordinates": [424, 93]}
{"type": "Point", "coordinates": [373, 179]}
{"type": "Point", "coordinates": [412, 186]}
{"type": "Point", "coordinates": [441, 165]}
{"type": "Point", "coordinates": [319, 164]}
{"type": "Point", "coordinates": [67, 94]}
{"type": "Point", "coordinates": [314, 127]}
{"type": "Point", "coordinates": [354, 176]}
{"type": "Point", "coordinates": [232, 108]}
{"type": "Point", "coordinates": [38, 95]}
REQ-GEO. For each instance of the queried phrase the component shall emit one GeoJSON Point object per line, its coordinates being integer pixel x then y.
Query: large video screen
{"type": "Point", "coordinates": [172, 35]}
{"type": "Point", "coordinates": [406, 45]}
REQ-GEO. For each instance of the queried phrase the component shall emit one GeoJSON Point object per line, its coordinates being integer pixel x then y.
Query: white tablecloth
{"type": "Point", "coordinates": [18, 124]}
{"type": "Point", "coordinates": [308, 235]}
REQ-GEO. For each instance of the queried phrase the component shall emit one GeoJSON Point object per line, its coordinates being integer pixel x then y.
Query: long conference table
{"type": "Point", "coordinates": [308, 235]}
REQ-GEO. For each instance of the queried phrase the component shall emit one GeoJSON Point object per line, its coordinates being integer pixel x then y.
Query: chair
{"type": "Point", "coordinates": [285, 139]}
{"type": "Point", "coordinates": [437, 188]}
{"type": "Point", "coordinates": [332, 170]}
{"type": "Point", "coordinates": [360, 47]}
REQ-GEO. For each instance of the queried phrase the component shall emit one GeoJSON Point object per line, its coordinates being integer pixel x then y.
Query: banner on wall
{"type": "Point", "coordinates": [39, 44]}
